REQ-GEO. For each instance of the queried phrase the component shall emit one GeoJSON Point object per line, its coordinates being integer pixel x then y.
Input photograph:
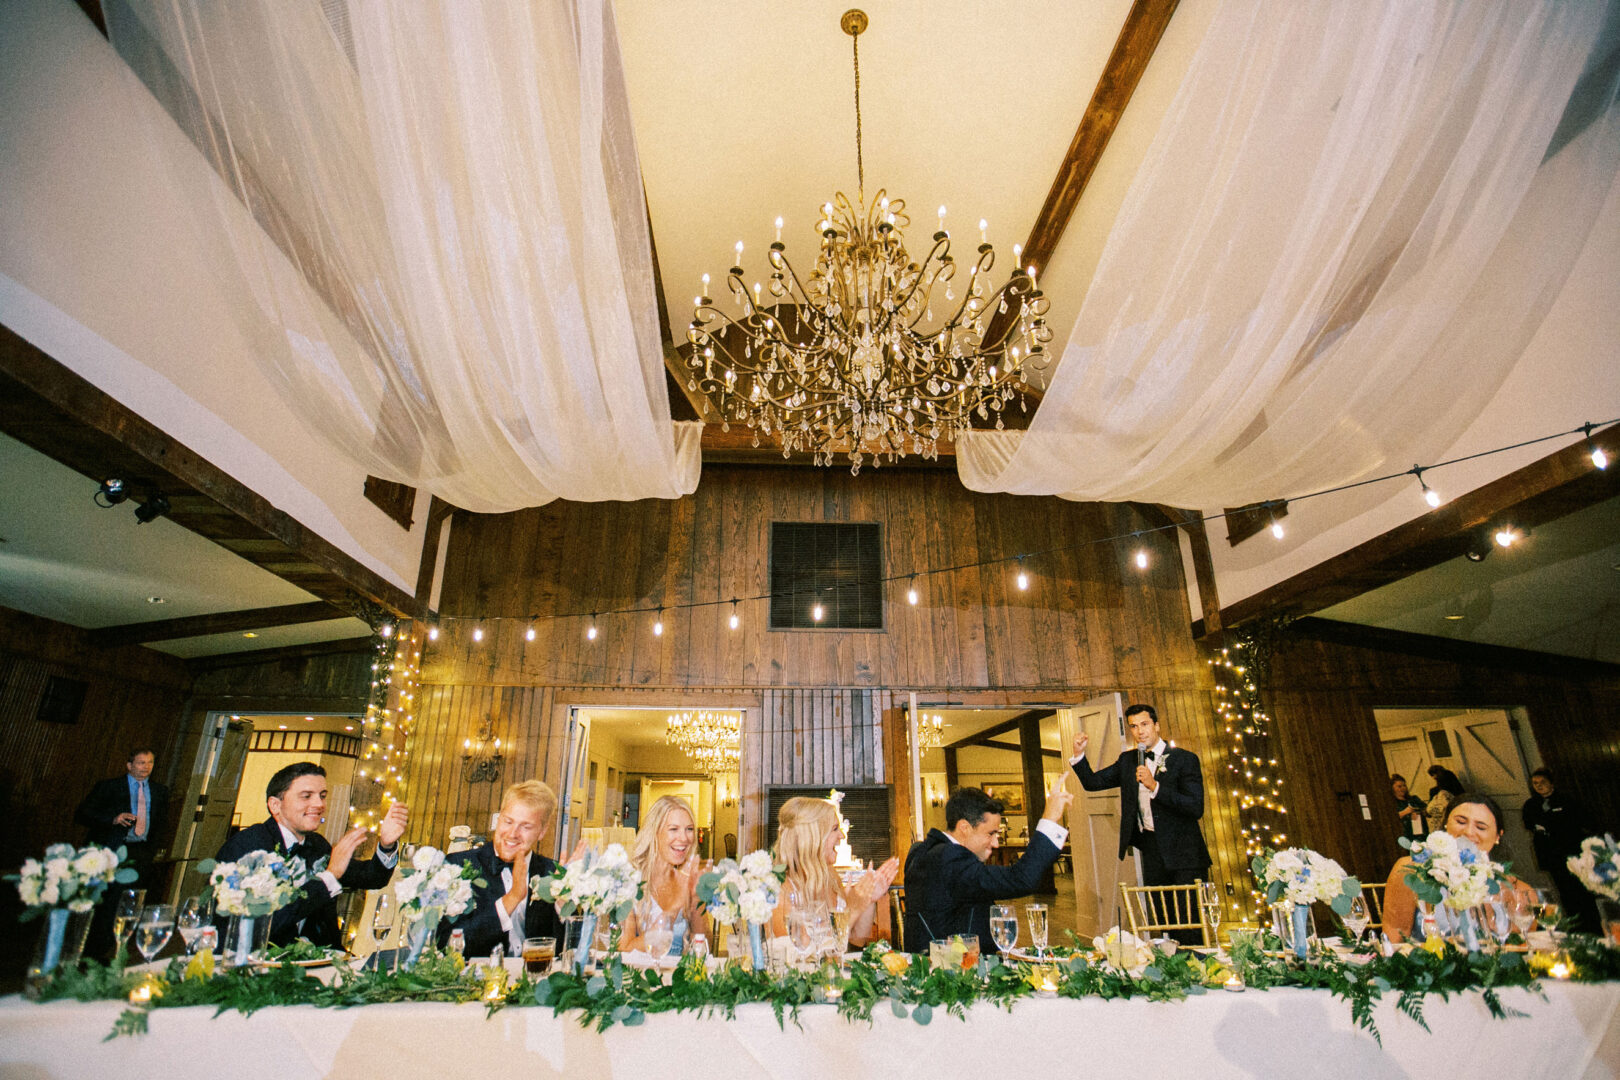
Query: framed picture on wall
{"type": "Point", "coordinates": [1011, 796]}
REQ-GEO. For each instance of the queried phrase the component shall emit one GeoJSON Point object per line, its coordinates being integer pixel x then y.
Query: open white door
{"type": "Point", "coordinates": [210, 800]}
{"type": "Point", "coordinates": [1094, 817]}
{"type": "Point", "coordinates": [576, 771]}
{"type": "Point", "coordinates": [1490, 760]}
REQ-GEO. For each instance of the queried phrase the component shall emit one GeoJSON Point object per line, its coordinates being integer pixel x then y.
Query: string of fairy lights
{"type": "Point", "coordinates": [1252, 772]}
{"type": "Point", "coordinates": [1022, 564]}
{"type": "Point", "coordinates": [387, 729]}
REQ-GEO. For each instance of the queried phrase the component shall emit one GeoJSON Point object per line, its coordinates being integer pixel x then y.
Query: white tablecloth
{"type": "Point", "coordinates": [1281, 1033]}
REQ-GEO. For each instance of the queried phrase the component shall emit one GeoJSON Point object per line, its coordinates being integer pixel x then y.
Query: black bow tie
{"type": "Point", "coordinates": [296, 851]}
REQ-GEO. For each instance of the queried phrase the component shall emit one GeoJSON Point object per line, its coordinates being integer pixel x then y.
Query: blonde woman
{"type": "Point", "coordinates": [666, 855]}
{"type": "Point", "coordinates": [807, 838]}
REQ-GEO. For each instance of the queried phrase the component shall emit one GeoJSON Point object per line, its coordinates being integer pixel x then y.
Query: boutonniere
{"type": "Point", "coordinates": [1160, 765]}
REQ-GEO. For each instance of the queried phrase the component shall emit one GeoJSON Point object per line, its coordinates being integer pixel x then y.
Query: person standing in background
{"type": "Point", "coordinates": [1446, 788]}
{"type": "Point", "coordinates": [1557, 825]}
{"type": "Point", "coordinates": [128, 812]}
{"type": "Point", "coordinates": [1409, 808]}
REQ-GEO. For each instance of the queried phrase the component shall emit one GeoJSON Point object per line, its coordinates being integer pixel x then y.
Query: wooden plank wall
{"type": "Point", "coordinates": [1322, 696]}
{"type": "Point", "coordinates": [135, 697]}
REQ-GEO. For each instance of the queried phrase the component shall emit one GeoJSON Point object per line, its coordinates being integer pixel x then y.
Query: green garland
{"type": "Point", "coordinates": [625, 996]}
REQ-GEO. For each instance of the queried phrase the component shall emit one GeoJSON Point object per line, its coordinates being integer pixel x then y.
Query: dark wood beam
{"type": "Point", "coordinates": [685, 403]}
{"type": "Point", "coordinates": [1542, 491]}
{"type": "Point", "coordinates": [1029, 739]}
{"type": "Point", "coordinates": [1138, 38]}
{"type": "Point", "coordinates": [1470, 653]}
{"type": "Point", "coordinates": [250, 657]}
{"type": "Point", "coordinates": [1192, 523]}
{"type": "Point", "coordinates": [439, 513]}
{"type": "Point", "coordinates": [1014, 747]}
{"type": "Point", "coordinates": [219, 622]}
{"type": "Point", "coordinates": [978, 737]}
{"type": "Point", "coordinates": [953, 775]}
{"type": "Point", "coordinates": [737, 447]}
{"type": "Point", "coordinates": [45, 406]}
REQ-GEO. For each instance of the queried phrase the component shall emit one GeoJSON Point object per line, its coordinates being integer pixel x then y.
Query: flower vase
{"type": "Point", "coordinates": [587, 938]}
{"type": "Point", "coordinates": [1609, 919]}
{"type": "Point", "coordinates": [1470, 930]}
{"type": "Point", "coordinates": [756, 945]}
{"type": "Point", "coordinates": [246, 938]}
{"type": "Point", "coordinates": [61, 943]}
{"type": "Point", "coordinates": [423, 930]}
{"type": "Point", "coordinates": [1302, 930]}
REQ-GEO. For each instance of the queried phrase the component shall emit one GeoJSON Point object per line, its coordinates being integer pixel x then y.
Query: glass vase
{"type": "Point", "coordinates": [424, 929]}
{"type": "Point", "coordinates": [246, 938]}
{"type": "Point", "coordinates": [1609, 920]}
{"type": "Point", "coordinates": [61, 944]}
{"type": "Point", "coordinates": [754, 935]}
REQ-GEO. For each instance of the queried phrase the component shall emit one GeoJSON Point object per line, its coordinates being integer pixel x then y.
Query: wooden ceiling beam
{"type": "Point", "coordinates": [219, 622]}
{"type": "Point", "coordinates": [1542, 491]}
{"type": "Point", "coordinates": [51, 409]}
{"type": "Point", "coordinates": [250, 657]}
{"type": "Point", "coordinates": [978, 738]}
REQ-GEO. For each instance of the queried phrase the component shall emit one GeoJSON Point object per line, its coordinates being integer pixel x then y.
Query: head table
{"type": "Point", "coordinates": [1573, 1032]}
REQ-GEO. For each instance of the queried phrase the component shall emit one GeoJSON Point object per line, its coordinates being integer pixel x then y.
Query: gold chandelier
{"type": "Point", "coordinates": [930, 732]}
{"type": "Point", "coordinates": [856, 358]}
{"type": "Point", "coordinates": [711, 739]}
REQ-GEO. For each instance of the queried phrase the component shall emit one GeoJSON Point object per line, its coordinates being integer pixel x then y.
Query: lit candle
{"type": "Point", "coordinates": [779, 228]}
{"type": "Point", "coordinates": [1561, 969]}
{"type": "Point", "coordinates": [942, 218]}
{"type": "Point", "coordinates": [983, 225]}
{"type": "Point", "coordinates": [739, 253]}
{"type": "Point", "coordinates": [705, 284]}
{"type": "Point", "coordinates": [1233, 982]}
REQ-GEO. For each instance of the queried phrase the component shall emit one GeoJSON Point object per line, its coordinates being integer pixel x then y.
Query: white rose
{"type": "Point", "coordinates": [757, 862]}
{"type": "Point", "coordinates": [57, 867]}
{"type": "Point", "coordinates": [427, 859]}
{"type": "Point", "coordinates": [30, 890]}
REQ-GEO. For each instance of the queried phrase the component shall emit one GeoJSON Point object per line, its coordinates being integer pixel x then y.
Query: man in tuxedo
{"type": "Point", "coordinates": [949, 883]}
{"type": "Point", "coordinates": [296, 798]}
{"type": "Point", "coordinates": [502, 911]}
{"type": "Point", "coordinates": [1161, 798]}
{"type": "Point", "coordinates": [125, 812]}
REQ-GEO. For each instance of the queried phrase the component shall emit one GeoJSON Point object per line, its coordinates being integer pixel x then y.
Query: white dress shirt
{"type": "Point", "coordinates": [514, 922]}
{"type": "Point", "coordinates": [1144, 797]}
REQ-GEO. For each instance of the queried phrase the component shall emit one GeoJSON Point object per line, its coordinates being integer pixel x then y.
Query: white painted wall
{"type": "Point", "coordinates": [103, 267]}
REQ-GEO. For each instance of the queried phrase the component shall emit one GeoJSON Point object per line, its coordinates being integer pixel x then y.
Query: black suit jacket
{"type": "Point", "coordinates": [108, 799]}
{"type": "Point", "coordinates": [479, 923]}
{"type": "Point", "coordinates": [314, 905]}
{"type": "Point", "coordinates": [949, 891]}
{"type": "Point", "coordinates": [1176, 808]}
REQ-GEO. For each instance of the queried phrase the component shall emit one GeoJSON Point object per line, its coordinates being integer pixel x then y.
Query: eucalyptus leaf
{"type": "Point", "coordinates": [897, 1008]}
{"type": "Point", "coordinates": [595, 985]}
{"type": "Point", "coordinates": [923, 1013]}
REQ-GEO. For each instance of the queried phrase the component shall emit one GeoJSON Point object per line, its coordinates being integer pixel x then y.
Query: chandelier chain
{"type": "Point", "coordinates": [860, 159]}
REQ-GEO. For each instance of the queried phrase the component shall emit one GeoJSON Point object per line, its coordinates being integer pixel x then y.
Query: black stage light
{"type": "Point", "coordinates": [155, 506]}
{"type": "Point", "coordinates": [111, 492]}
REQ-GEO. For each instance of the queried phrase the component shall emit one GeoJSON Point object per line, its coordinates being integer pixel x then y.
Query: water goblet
{"type": "Point", "coordinates": [1356, 919]}
{"type": "Point", "coordinates": [124, 916]}
{"type": "Point", "coordinates": [1036, 916]}
{"type": "Point", "coordinates": [1520, 911]}
{"type": "Point", "coordinates": [382, 924]}
{"type": "Point", "coordinates": [1209, 898]}
{"type": "Point", "coordinates": [153, 929]}
{"type": "Point", "coordinates": [193, 916]}
{"type": "Point", "coordinates": [1004, 926]}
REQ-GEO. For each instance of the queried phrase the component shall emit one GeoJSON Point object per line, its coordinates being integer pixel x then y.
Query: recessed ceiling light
{"type": "Point", "coordinates": [348, 727]}
{"type": "Point", "coordinates": [309, 718]}
{"type": "Point", "coordinates": [1452, 618]}
{"type": "Point", "coordinates": [283, 727]}
{"type": "Point", "coordinates": [156, 600]}
{"type": "Point", "coordinates": [250, 633]}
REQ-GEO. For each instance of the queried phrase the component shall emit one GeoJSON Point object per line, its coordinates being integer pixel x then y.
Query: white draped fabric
{"type": "Point", "coordinates": [456, 182]}
{"type": "Point", "coordinates": [1348, 228]}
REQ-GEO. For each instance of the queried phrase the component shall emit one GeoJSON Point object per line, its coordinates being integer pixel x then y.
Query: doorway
{"type": "Point", "coordinates": [621, 760]}
{"type": "Point", "coordinates": [1491, 750]}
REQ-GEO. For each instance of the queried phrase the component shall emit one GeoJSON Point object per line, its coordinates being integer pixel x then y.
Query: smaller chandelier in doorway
{"type": "Point", "coordinates": [711, 739]}
{"type": "Point", "coordinates": [930, 732]}
{"type": "Point", "coordinates": [879, 351]}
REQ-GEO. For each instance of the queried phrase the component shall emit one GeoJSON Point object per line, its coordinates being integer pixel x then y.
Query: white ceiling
{"type": "Point", "coordinates": [745, 112]}
{"type": "Point", "coordinates": [1556, 591]}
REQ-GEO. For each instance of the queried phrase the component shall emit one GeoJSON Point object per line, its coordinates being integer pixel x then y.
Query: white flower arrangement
{"type": "Point", "coordinates": [430, 882]}
{"type": "Point", "coordinates": [68, 877]}
{"type": "Point", "coordinates": [1124, 951]}
{"type": "Point", "coordinates": [597, 883]}
{"type": "Point", "coordinates": [746, 890]}
{"type": "Point", "coordinates": [1598, 865]}
{"type": "Point", "coordinates": [1452, 870]}
{"type": "Point", "coordinates": [259, 883]}
{"type": "Point", "coordinates": [1304, 876]}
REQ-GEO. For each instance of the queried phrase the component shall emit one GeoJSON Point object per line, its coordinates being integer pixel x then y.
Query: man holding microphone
{"type": "Point", "coordinates": [1161, 798]}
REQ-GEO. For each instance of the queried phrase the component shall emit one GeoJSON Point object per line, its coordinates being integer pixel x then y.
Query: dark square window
{"type": "Point", "coordinates": [62, 700]}
{"type": "Point", "coordinates": [838, 565]}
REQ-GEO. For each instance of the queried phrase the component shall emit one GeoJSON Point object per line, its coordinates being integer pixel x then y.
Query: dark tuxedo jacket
{"type": "Point", "coordinates": [313, 905]}
{"type": "Point", "coordinates": [479, 923]}
{"type": "Point", "coordinates": [1176, 808]}
{"type": "Point", "coordinates": [949, 891]}
{"type": "Point", "coordinates": [108, 799]}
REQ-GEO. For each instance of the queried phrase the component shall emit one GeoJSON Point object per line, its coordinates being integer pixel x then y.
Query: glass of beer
{"type": "Point", "coordinates": [538, 953]}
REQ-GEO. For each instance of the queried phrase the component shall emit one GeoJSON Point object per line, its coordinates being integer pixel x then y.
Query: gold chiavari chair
{"type": "Point", "coordinates": [1154, 910]}
{"type": "Point", "coordinates": [897, 915]}
{"type": "Point", "coordinates": [1374, 895]}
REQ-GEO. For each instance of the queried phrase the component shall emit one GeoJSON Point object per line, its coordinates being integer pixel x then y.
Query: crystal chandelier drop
{"type": "Point", "coordinates": [711, 739]}
{"type": "Point", "coordinates": [875, 353]}
{"type": "Point", "coordinates": [930, 732]}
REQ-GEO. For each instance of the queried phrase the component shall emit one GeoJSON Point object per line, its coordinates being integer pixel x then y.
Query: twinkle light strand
{"type": "Point", "coordinates": [386, 731]}
{"type": "Point", "coordinates": [1253, 774]}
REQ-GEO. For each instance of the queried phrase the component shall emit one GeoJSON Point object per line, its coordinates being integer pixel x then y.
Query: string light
{"type": "Point", "coordinates": [590, 631]}
{"type": "Point", "coordinates": [815, 612]}
{"type": "Point", "coordinates": [658, 625]}
{"type": "Point", "coordinates": [387, 727]}
{"type": "Point", "coordinates": [1250, 762]}
{"type": "Point", "coordinates": [735, 620]}
{"type": "Point", "coordinates": [1141, 558]}
{"type": "Point", "coordinates": [911, 593]}
{"type": "Point", "coordinates": [1430, 496]}
{"type": "Point", "coordinates": [478, 633]}
{"type": "Point", "coordinates": [433, 633]}
{"type": "Point", "coordinates": [1023, 578]}
{"type": "Point", "coordinates": [386, 629]}
{"type": "Point", "coordinates": [528, 635]}
{"type": "Point", "coordinates": [1599, 458]}
{"type": "Point", "coordinates": [1276, 526]}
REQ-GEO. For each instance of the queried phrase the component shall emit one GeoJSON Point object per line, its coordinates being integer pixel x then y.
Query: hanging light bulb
{"type": "Point", "coordinates": [386, 629]}
{"type": "Point", "coordinates": [1276, 526]}
{"type": "Point", "coordinates": [815, 611]}
{"type": "Point", "coordinates": [1430, 496]}
{"type": "Point", "coordinates": [1023, 576]}
{"type": "Point", "coordinates": [478, 633]}
{"type": "Point", "coordinates": [1141, 558]}
{"type": "Point", "coordinates": [911, 593]}
{"type": "Point", "coordinates": [528, 634]}
{"type": "Point", "coordinates": [1600, 460]}
{"type": "Point", "coordinates": [658, 624]}
{"type": "Point", "coordinates": [433, 633]}
{"type": "Point", "coordinates": [1505, 536]}
{"type": "Point", "coordinates": [590, 631]}
{"type": "Point", "coordinates": [735, 620]}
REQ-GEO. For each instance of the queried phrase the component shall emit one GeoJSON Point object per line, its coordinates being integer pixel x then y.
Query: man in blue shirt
{"type": "Point", "coordinates": [128, 812]}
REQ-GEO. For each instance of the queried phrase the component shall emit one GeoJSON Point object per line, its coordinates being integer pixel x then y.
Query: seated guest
{"type": "Point", "coordinates": [296, 798]}
{"type": "Point", "coordinates": [502, 912]}
{"type": "Point", "coordinates": [1472, 816]}
{"type": "Point", "coordinates": [666, 855]}
{"type": "Point", "coordinates": [949, 886]}
{"type": "Point", "coordinates": [807, 839]}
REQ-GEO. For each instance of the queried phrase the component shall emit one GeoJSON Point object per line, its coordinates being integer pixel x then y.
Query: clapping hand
{"type": "Point", "coordinates": [874, 883]}
{"type": "Point", "coordinates": [343, 851]}
{"type": "Point", "coordinates": [393, 824]}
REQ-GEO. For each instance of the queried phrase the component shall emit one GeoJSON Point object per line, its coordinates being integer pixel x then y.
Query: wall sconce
{"type": "Point", "coordinates": [481, 756]}
{"type": "Point", "coordinates": [727, 792]}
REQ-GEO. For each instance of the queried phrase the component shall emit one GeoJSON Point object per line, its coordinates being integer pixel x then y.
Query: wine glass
{"type": "Point", "coordinates": [1520, 912]}
{"type": "Point", "coordinates": [1357, 919]}
{"type": "Point", "coordinates": [1209, 898]}
{"type": "Point", "coordinates": [1546, 910]}
{"type": "Point", "coordinates": [1036, 914]}
{"type": "Point", "coordinates": [657, 934]}
{"type": "Point", "coordinates": [1004, 926]}
{"type": "Point", "coordinates": [838, 923]}
{"type": "Point", "coordinates": [124, 916]}
{"type": "Point", "coordinates": [193, 916]}
{"type": "Point", "coordinates": [382, 922]}
{"type": "Point", "coordinates": [153, 929]}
